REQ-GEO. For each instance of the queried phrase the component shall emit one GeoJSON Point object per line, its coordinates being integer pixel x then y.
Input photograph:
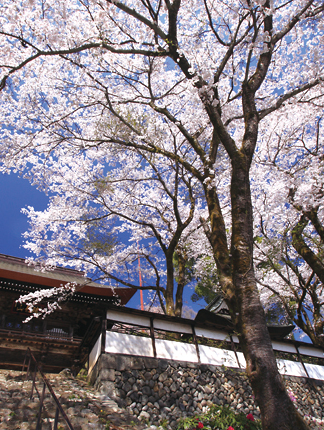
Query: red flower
{"type": "Point", "coordinates": [200, 425]}
{"type": "Point", "coordinates": [230, 428]}
{"type": "Point", "coordinates": [250, 417]}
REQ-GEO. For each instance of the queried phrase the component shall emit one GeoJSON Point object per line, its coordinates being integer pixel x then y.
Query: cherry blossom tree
{"type": "Point", "coordinates": [289, 247]}
{"type": "Point", "coordinates": [207, 81]}
{"type": "Point", "coordinates": [102, 219]}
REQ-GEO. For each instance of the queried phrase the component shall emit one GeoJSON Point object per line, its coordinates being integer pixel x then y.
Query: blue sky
{"type": "Point", "coordinates": [16, 193]}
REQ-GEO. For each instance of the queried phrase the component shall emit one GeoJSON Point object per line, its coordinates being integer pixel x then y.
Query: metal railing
{"type": "Point", "coordinates": [46, 384]}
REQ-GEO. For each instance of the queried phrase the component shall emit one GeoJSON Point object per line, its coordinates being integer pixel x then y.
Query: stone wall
{"type": "Point", "coordinates": [153, 389]}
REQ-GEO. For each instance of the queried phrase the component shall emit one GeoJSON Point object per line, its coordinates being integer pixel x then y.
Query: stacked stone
{"type": "Point", "coordinates": [308, 397]}
{"type": "Point", "coordinates": [153, 389]}
{"type": "Point", "coordinates": [174, 391]}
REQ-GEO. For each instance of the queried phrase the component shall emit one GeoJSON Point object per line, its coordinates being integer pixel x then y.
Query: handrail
{"type": "Point", "coordinates": [89, 329]}
{"type": "Point", "coordinates": [59, 409]}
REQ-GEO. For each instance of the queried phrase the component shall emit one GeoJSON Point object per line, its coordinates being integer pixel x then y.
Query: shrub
{"type": "Point", "coordinates": [220, 418]}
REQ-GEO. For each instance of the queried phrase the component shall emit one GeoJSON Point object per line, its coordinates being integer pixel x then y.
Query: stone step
{"type": "Point", "coordinates": [85, 408]}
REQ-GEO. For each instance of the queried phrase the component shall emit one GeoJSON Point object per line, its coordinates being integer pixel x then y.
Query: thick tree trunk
{"type": "Point", "coordinates": [241, 294]}
{"type": "Point", "coordinates": [181, 282]}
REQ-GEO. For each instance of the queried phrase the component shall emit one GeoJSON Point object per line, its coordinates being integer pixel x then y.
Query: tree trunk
{"type": "Point", "coordinates": [182, 260]}
{"type": "Point", "coordinates": [169, 300]}
{"type": "Point", "coordinates": [277, 410]}
{"type": "Point", "coordinates": [304, 250]}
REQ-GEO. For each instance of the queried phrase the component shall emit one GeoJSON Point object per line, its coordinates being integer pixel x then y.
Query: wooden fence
{"type": "Point", "coordinates": [154, 335]}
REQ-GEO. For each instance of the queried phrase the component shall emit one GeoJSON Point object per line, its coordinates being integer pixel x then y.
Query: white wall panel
{"type": "Point", "coordinates": [212, 334]}
{"type": "Point", "coordinates": [290, 368]}
{"type": "Point", "coordinates": [281, 346]}
{"type": "Point", "coordinates": [217, 357]}
{"type": "Point", "coordinates": [235, 339]}
{"type": "Point", "coordinates": [176, 350]}
{"type": "Point", "coordinates": [120, 343]}
{"type": "Point", "coordinates": [241, 359]}
{"type": "Point", "coordinates": [95, 354]}
{"type": "Point", "coordinates": [128, 318]}
{"type": "Point", "coordinates": [311, 352]}
{"type": "Point", "coordinates": [171, 326]}
{"type": "Point", "coordinates": [315, 371]}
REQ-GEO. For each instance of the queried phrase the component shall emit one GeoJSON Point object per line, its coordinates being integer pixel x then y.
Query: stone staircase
{"type": "Point", "coordinates": [86, 408]}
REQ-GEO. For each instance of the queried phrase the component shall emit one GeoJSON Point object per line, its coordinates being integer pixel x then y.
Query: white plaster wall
{"type": "Point", "coordinates": [235, 339]}
{"type": "Point", "coordinates": [290, 368]}
{"type": "Point", "coordinates": [128, 318]}
{"type": "Point", "coordinates": [142, 346]}
{"type": "Point", "coordinates": [281, 346]}
{"type": "Point", "coordinates": [241, 359]}
{"type": "Point", "coordinates": [120, 343]}
{"type": "Point", "coordinates": [212, 334]}
{"type": "Point", "coordinates": [315, 371]}
{"type": "Point", "coordinates": [311, 352]}
{"type": "Point", "coordinates": [171, 326]}
{"type": "Point", "coordinates": [217, 357]}
{"type": "Point", "coordinates": [176, 350]}
{"type": "Point", "coordinates": [95, 354]}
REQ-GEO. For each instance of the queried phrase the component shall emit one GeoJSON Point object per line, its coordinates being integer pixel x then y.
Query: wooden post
{"type": "Point", "coordinates": [152, 336]}
{"type": "Point", "coordinates": [301, 360]}
{"type": "Point", "coordinates": [39, 418]}
{"type": "Point", "coordinates": [103, 334]}
{"type": "Point", "coordinates": [195, 342]}
{"type": "Point", "coordinates": [235, 352]}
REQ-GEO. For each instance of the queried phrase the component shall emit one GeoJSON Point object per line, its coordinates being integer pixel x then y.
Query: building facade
{"type": "Point", "coordinates": [63, 338]}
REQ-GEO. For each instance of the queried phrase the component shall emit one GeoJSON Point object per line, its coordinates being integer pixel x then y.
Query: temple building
{"type": "Point", "coordinates": [63, 338]}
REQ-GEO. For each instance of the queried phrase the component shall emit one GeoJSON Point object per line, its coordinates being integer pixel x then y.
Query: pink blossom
{"type": "Point", "coordinates": [250, 417]}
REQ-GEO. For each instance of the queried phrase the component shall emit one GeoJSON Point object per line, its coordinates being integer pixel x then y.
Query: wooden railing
{"type": "Point", "coordinates": [29, 357]}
